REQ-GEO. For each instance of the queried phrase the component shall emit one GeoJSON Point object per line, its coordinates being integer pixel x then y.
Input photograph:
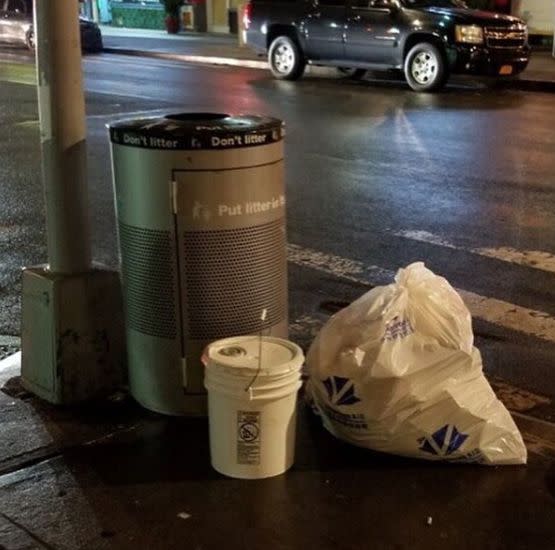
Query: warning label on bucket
{"type": "Point", "coordinates": [248, 437]}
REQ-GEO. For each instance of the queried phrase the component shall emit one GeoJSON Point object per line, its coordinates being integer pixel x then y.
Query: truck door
{"type": "Point", "coordinates": [323, 29]}
{"type": "Point", "coordinates": [372, 34]}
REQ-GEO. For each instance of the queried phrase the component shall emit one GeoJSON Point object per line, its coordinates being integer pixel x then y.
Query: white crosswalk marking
{"type": "Point", "coordinates": [351, 270]}
{"type": "Point", "coordinates": [535, 259]}
{"type": "Point", "coordinates": [511, 316]}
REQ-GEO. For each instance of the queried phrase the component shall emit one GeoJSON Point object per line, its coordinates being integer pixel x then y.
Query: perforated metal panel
{"type": "Point", "coordinates": [231, 276]}
{"type": "Point", "coordinates": [149, 281]}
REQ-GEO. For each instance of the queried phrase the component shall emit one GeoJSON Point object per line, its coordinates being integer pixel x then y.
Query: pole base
{"type": "Point", "coordinates": [72, 334]}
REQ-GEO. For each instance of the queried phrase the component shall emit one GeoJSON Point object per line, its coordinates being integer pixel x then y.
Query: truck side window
{"type": "Point", "coordinates": [362, 4]}
{"type": "Point", "coordinates": [334, 3]}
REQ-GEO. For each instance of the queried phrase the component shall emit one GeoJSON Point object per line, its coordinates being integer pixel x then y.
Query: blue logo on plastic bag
{"type": "Point", "coordinates": [444, 442]}
{"type": "Point", "coordinates": [341, 391]}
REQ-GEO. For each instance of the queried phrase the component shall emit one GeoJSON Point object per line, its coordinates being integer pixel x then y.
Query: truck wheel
{"type": "Point", "coordinates": [30, 39]}
{"type": "Point", "coordinates": [353, 74]}
{"type": "Point", "coordinates": [286, 59]}
{"type": "Point", "coordinates": [425, 68]}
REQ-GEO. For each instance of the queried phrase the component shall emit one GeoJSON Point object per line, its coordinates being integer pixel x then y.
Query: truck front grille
{"type": "Point", "coordinates": [506, 37]}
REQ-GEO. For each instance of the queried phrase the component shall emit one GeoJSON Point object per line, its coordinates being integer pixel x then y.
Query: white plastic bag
{"type": "Point", "coordinates": [396, 371]}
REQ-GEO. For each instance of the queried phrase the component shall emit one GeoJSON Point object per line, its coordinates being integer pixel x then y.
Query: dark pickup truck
{"type": "Point", "coordinates": [427, 39]}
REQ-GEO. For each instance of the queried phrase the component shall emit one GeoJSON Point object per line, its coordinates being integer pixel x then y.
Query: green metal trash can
{"type": "Point", "coordinates": [200, 205]}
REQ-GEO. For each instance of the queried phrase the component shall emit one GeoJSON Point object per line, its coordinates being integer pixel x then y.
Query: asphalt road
{"type": "Point", "coordinates": [377, 177]}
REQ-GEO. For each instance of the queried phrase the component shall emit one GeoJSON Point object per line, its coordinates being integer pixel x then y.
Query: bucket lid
{"type": "Point", "coordinates": [279, 356]}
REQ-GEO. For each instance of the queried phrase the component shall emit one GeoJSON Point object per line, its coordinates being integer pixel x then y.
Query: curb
{"type": "Point", "coordinates": [526, 85]}
{"type": "Point", "coordinates": [8, 346]}
{"type": "Point", "coordinates": [203, 59]}
{"type": "Point", "coordinates": [10, 361]}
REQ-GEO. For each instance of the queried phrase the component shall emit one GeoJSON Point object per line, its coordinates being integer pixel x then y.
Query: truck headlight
{"type": "Point", "coordinates": [469, 34]}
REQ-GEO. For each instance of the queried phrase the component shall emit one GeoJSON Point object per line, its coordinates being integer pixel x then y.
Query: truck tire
{"type": "Point", "coordinates": [286, 59]}
{"type": "Point", "coordinates": [425, 68]}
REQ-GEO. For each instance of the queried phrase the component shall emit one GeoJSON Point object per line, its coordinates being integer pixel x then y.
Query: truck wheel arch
{"type": "Point", "coordinates": [430, 38]}
{"type": "Point", "coordinates": [282, 30]}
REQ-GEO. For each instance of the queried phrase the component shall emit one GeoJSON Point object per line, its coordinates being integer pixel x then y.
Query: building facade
{"type": "Point", "coordinates": [149, 14]}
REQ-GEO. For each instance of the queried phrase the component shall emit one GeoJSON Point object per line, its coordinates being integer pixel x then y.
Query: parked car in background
{"type": "Point", "coordinates": [16, 26]}
{"type": "Point", "coordinates": [427, 39]}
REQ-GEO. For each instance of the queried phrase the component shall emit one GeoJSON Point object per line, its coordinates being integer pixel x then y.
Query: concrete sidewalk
{"type": "Point", "coordinates": [225, 50]}
{"type": "Point", "coordinates": [189, 47]}
{"type": "Point", "coordinates": [111, 475]}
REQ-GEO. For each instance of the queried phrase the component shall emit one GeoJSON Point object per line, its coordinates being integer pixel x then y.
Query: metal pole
{"type": "Point", "coordinates": [71, 313]}
{"type": "Point", "coordinates": [63, 134]}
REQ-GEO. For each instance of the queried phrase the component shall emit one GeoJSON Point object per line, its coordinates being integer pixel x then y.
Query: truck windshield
{"type": "Point", "coordinates": [434, 3]}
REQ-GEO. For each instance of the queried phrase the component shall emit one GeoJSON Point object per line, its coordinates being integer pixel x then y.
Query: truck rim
{"type": "Point", "coordinates": [31, 40]}
{"type": "Point", "coordinates": [283, 58]}
{"type": "Point", "coordinates": [424, 67]}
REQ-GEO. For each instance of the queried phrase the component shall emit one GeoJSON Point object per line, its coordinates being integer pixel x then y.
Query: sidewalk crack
{"type": "Point", "coordinates": [28, 532]}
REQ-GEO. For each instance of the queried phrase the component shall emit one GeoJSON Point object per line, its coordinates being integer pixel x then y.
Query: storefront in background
{"type": "Point", "coordinates": [137, 14]}
{"type": "Point", "coordinates": [221, 15]}
{"type": "Point", "coordinates": [96, 10]}
{"type": "Point", "coordinates": [201, 15]}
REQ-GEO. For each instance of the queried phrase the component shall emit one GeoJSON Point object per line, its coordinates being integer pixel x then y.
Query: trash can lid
{"type": "Point", "coordinates": [197, 131]}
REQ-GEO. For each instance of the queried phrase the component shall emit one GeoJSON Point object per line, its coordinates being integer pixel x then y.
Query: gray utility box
{"type": "Point", "coordinates": [200, 204]}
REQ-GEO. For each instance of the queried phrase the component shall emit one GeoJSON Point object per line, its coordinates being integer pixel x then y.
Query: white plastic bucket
{"type": "Point", "coordinates": [252, 404]}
